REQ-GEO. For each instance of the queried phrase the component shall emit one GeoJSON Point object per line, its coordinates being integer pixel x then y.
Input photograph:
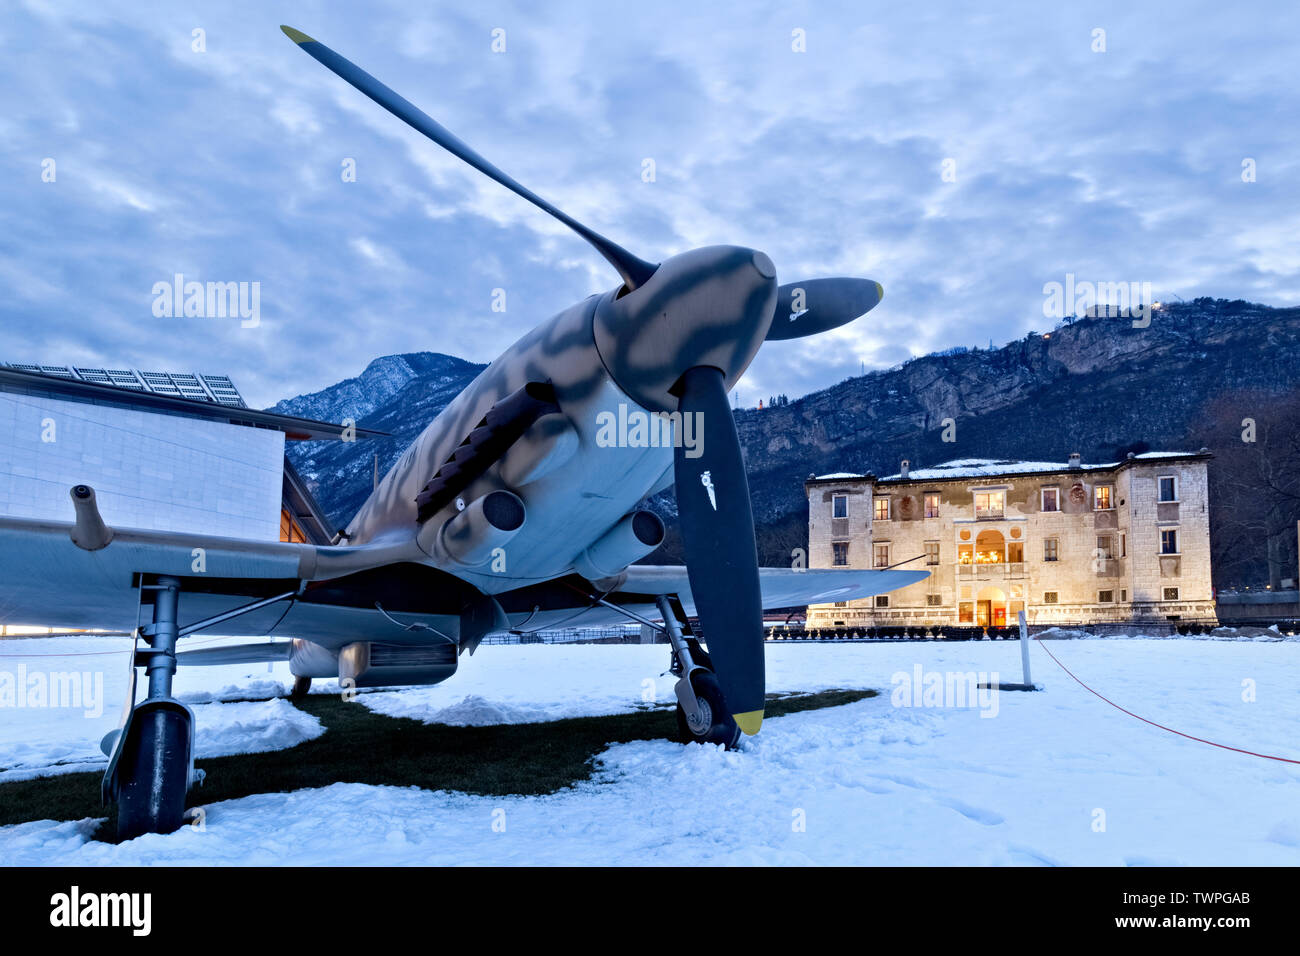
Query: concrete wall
{"type": "Point", "coordinates": [150, 471]}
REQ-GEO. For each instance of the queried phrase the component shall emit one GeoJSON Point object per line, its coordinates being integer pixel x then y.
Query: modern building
{"type": "Point", "coordinates": [1071, 543]}
{"type": "Point", "coordinates": [164, 451]}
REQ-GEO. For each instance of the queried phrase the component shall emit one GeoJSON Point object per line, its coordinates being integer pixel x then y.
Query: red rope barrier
{"type": "Point", "coordinates": [1171, 730]}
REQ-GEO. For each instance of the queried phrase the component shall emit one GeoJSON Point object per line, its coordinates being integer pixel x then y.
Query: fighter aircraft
{"type": "Point", "coordinates": [519, 508]}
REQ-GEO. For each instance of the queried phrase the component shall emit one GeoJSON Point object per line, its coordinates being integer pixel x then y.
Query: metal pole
{"type": "Point", "coordinates": [162, 638]}
{"type": "Point", "coordinates": [1024, 648]}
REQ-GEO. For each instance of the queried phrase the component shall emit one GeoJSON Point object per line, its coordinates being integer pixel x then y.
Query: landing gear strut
{"type": "Point", "coordinates": [702, 714]}
{"type": "Point", "coordinates": [152, 757]}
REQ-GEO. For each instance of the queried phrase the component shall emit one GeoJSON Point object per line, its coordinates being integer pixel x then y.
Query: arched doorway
{"type": "Point", "coordinates": [991, 607]}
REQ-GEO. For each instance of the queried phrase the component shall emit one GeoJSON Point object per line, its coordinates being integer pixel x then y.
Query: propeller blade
{"type": "Point", "coordinates": [717, 526]}
{"type": "Point", "coordinates": [819, 305]}
{"type": "Point", "coordinates": [635, 271]}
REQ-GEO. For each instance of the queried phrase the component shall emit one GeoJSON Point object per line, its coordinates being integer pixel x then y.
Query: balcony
{"type": "Point", "coordinates": [992, 570]}
{"type": "Point", "coordinates": [989, 514]}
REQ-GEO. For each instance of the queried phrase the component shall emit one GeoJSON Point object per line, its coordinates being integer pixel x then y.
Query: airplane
{"type": "Point", "coordinates": [517, 509]}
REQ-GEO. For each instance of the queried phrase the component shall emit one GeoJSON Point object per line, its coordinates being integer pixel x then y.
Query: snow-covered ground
{"type": "Point", "coordinates": [1055, 777]}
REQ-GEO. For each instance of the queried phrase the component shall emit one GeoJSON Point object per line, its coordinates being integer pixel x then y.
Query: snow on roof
{"type": "Point", "coordinates": [838, 474]}
{"type": "Point", "coordinates": [994, 467]}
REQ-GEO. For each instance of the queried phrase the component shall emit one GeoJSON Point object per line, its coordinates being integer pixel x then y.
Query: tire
{"type": "Point", "coordinates": [156, 776]}
{"type": "Point", "coordinates": [723, 729]}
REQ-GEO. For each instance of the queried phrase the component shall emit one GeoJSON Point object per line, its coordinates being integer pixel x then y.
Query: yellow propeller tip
{"type": "Point", "coordinates": [880, 291]}
{"type": "Point", "coordinates": [749, 722]}
{"type": "Point", "coordinates": [297, 36]}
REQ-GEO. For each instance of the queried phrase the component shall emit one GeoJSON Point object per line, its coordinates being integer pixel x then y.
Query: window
{"type": "Point", "coordinates": [966, 612]}
{"type": "Point", "coordinates": [1168, 488]}
{"type": "Point", "coordinates": [989, 504]}
{"type": "Point", "coordinates": [1102, 496]}
{"type": "Point", "coordinates": [1169, 541]}
{"type": "Point", "coordinates": [1123, 546]}
{"type": "Point", "coordinates": [882, 600]}
{"type": "Point", "coordinates": [934, 600]}
{"type": "Point", "coordinates": [839, 506]}
{"type": "Point", "coordinates": [932, 504]}
{"type": "Point", "coordinates": [965, 553]}
{"type": "Point", "coordinates": [841, 551]}
{"type": "Point", "coordinates": [1049, 549]}
{"type": "Point", "coordinates": [1015, 552]}
{"type": "Point", "coordinates": [882, 509]}
{"type": "Point", "coordinates": [1105, 597]}
{"type": "Point", "coordinates": [1051, 499]}
{"type": "Point", "coordinates": [932, 552]}
{"type": "Point", "coordinates": [841, 604]}
{"type": "Point", "coordinates": [882, 556]}
{"type": "Point", "coordinates": [1123, 594]}
{"type": "Point", "coordinates": [1105, 547]}
{"type": "Point", "coordinates": [1171, 594]}
{"type": "Point", "coordinates": [1049, 597]}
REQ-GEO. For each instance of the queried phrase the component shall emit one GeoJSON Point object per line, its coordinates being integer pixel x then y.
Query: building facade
{"type": "Point", "coordinates": [164, 452]}
{"type": "Point", "coordinates": [1071, 543]}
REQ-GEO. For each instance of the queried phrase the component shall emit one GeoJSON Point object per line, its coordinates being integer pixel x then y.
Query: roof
{"type": "Point", "coordinates": [215, 403]}
{"type": "Point", "coordinates": [963, 468]}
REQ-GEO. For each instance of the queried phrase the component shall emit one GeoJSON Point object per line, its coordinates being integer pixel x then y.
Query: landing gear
{"type": "Point", "coordinates": [301, 687]}
{"type": "Point", "coordinates": [702, 714]}
{"type": "Point", "coordinates": [151, 758]}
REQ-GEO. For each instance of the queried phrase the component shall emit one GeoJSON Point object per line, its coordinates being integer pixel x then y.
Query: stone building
{"type": "Point", "coordinates": [1066, 543]}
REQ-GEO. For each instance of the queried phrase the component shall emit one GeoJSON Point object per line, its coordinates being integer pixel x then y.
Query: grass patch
{"type": "Point", "coordinates": [361, 746]}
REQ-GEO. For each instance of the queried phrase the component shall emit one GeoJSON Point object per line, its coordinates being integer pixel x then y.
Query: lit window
{"type": "Point", "coordinates": [839, 506]}
{"type": "Point", "coordinates": [966, 612]}
{"type": "Point", "coordinates": [1016, 552]}
{"type": "Point", "coordinates": [841, 552]}
{"type": "Point", "coordinates": [882, 556]}
{"type": "Point", "coordinates": [882, 600]}
{"type": "Point", "coordinates": [1049, 597]}
{"type": "Point", "coordinates": [1168, 488]}
{"type": "Point", "coordinates": [1049, 549]}
{"type": "Point", "coordinates": [1101, 497]}
{"type": "Point", "coordinates": [965, 554]}
{"type": "Point", "coordinates": [882, 509]}
{"type": "Point", "coordinates": [989, 504]}
{"type": "Point", "coordinates": [932, 552]}
{"type": "Point", "coordinates": [932, 505]}
{"type": "Point", "coordinates": [1169, 541]}
{"type": "Point", "coordinates": [1171, 594]}
{"type": "Point", "coordinates": [1105, 597]}
{"type": "Point", "coordinates": [1051, 499]}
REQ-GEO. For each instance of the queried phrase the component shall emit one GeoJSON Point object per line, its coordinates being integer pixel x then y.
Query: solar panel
{"type": "Point", "coordinates": [215, 389]}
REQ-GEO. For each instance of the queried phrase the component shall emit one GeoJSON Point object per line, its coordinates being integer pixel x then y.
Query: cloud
{"type": "Point", "coordinates": [226, 165]}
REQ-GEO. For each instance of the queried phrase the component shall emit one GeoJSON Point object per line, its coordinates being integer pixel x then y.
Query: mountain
{"type": "Point", "coordinates": [1095, 385]}
{"type": "Point", "coordinates": [398, 394]}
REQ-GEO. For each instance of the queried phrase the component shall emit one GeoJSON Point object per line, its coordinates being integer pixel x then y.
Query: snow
{"type": "Point", "coordinates": [1014, 778]}
{"type": "Point", "coordinates": [47, 740]}
{"type": "Point", "coordinates": [991, 467]}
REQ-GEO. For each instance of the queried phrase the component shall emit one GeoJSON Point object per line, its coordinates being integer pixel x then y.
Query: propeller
{"type": "Point", "coordinates": [635, 271]}
{"type": "Point", "coordinates": [717, 528]}
{"type": "Point", "coordinates": [819, 305]}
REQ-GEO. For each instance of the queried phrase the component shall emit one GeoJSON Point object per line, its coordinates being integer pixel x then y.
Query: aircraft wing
{"type": "Point", "coordinates": [47, 579]}
{"type": "Point", "coordinates": [781, 587]}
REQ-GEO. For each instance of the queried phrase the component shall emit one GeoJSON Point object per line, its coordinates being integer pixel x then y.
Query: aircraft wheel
{"type": "Point", "coordinates": [301, 686]}
{"type": "Point", "coordinates": [154, 778]}
{"type": "Point", "coordinates": [717, 726]}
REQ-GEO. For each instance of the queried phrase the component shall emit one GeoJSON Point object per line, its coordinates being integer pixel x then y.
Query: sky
{"type": "Point", "coordinates": [963, 156]}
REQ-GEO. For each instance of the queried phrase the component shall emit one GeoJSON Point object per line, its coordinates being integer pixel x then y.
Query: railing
{"type": "Point", "coordinates": [989, 514]}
